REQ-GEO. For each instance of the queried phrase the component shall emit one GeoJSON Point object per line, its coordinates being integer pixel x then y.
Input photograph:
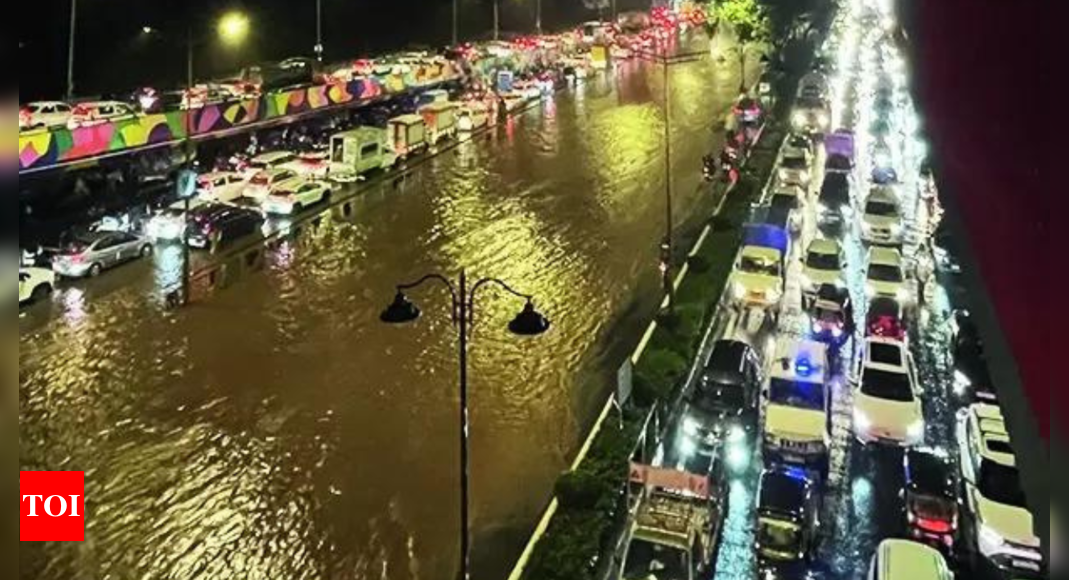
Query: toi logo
{"type": "Point", "coordinates": [52, 506]}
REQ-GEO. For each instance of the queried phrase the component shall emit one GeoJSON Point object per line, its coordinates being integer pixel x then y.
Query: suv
{"type": "Point", "coordinates": [881, 218]}
{"type": "Point", "coordinates": [887, 405]}
{"type": "Point", "coordinates": [886, 276]}
{"type": "Point", "coordinates": [794, 168]}
{"type": "Point", "coordinates": [261, 184]}
{"type": "Point", "coordinates": [824, 264]}
{"type": "Point", "coordinates": [1001, 527]}
{"type": "Point", "coordinates": [833, 203]}
{"type": "Point", "coordinates": [215, 226]}
{"type": "Point", "coordinates": [797, 420]}
{"type": "Point", "coordinates": [724, 405]}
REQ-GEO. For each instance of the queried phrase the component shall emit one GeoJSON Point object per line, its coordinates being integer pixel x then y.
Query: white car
{"type": "Point", "coordinates": [98, 113]}
{"type": "Point", "coordinates": [824, 264]}
{"type": "Point", "coordinates": [1003, 528]}
{"type": "Point", "coordinates": [169, 224]}
{"type": "Point", "coordinates": [314, 164]}
{"type": "Point", "coordinates": [798, 395]}
{"type": "Point", "coordinates": [794, 170]}
{"type": "Point", "coordinates": [265, 161]}
{"type": "Point", "coordinates": [44, 114]}
{"type": "Point", "coordinates": [220, 186]}
{"type": "Point", "coordinates": [886, 276]}
{"type": "Point", "coordinates": [887, 404]}
{"type": "Point", "coordinates": [261, 184]}
{"type": "Point", "coordinates": [881, 218]}
{"type": "Point", "coordinates": [35, 284]}
{"type": "Point", "coordinates": [291, 196]}
{"type": "Point", "coordinates": [906, 560]}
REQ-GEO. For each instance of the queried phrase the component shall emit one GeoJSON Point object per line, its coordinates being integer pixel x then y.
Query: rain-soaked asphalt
{"type": "Point", "coordinates": [278, 430]}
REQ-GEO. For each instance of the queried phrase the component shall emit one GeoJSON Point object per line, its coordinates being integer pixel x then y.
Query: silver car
{"type": "Point", "coordinates": [91, 253]}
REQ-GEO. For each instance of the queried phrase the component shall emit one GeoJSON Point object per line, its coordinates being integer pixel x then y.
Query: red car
{"type": "Point", "coordinates": [885, 319]}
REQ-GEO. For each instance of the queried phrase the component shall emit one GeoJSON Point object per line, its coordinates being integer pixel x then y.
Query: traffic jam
{"type": "Point", "coordinates": [844, 424]}
{"type": "Point", "coordinates": [237, 197]}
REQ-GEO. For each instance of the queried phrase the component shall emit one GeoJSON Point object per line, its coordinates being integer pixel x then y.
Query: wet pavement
{"type": "Point", "coordinates": [278, 430]}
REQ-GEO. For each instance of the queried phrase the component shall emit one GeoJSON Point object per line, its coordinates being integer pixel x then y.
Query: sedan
{"type": "Point", "coordinates": [291, 196]}
{"type": "Point", "coordinates": [91, 253]}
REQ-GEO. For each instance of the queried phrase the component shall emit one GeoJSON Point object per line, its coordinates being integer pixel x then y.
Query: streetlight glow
{"type": "Point", "coordinates": [233, 28]}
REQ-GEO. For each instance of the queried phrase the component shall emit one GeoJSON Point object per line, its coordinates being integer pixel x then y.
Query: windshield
{"type": "Point", "coordinates": [661, 562]}
{"type": "Point", "coordinates": [793, 163]}
{"type": "Point", "coordinates": [931, 507]}
{"type": "Point", "coordinates": [752, 265]}
{"type": "Point", "coordinates": [885, 273]}
{"type": "Point", "coordinates": [260, 180]}
{"type": "Point", "coordinates": [887, 385]}
{"type": "Point", "coordinates": [779, 536]}
{"type": "Point", "coordinates": [796, 394]}
{"type": "Point", "coordinates": [1001, 483]}
{"type": "Point", "coordinates": [819, 261]}
{"type": "Point", "coordinates": [881, 208]}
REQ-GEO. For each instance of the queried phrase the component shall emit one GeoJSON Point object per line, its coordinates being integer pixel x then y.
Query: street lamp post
{"type": "Point", "coordinates": [497, 20]}
{"type": "Point", "coordinates": [70, 50]}
{"type": "Point", "coordinates": [456, 15]}
{"type": "Point", "coordinates": [527, 323]}
{"type": "Point", "coordinates": [666, 62]}
{"type": "Point", "coordinates": [319, 30]}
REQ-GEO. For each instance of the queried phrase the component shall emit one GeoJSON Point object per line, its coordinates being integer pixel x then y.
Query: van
{"type": "Point", "coordinates": [905, 560]}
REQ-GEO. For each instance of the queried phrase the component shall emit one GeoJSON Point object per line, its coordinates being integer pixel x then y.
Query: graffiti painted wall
{"type": "Point", "coordinates": [45, 148]}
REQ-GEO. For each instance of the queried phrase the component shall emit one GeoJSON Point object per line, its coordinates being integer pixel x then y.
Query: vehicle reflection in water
{"type": "Point", "coordinates": [278, 430]}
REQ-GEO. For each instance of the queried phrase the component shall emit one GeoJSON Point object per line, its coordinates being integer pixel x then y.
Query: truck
{"type": "Point", "coordinates": [360, 151]}
{"type": "Point", "coordinates": [440, 119]}
{"type": "Point", "coordinates": [408, 135]}
{"type": "Point", "coordinates": [757, 279]}
{"type": "Point", "coordinates": [674, 529]}
{"type": "Point", "coordinates": [797, 428]}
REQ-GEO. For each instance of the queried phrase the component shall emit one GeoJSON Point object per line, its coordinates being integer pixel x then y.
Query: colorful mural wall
{"type": "Point", "coordinates": [45, 148]}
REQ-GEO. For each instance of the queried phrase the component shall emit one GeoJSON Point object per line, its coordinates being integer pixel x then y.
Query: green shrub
{"type": "Point", "coordinates": [580, 490]}
{"type": "Point", "coordinates": [656, 375]}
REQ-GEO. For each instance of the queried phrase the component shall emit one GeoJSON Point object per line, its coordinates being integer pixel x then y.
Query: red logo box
{"type": "Point", "coordinates": [52, 506]}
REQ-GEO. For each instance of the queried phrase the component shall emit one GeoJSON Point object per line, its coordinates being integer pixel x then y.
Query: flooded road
{"type": "Point", "coordinates": [278, 430]}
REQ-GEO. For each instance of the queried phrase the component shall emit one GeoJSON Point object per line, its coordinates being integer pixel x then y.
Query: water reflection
{"type": "Point", "coordinates": [279, 431]}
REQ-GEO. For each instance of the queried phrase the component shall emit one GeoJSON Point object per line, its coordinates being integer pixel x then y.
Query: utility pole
{"type": "Point", "coordinates": [189, 154]}
{"type": "Point", "coordinates": [538, 16]}
{"type": "Point", "coordinates": [70, 50]}
{"type": "Point", "coordinates": [497, 24]}
{"type": "Point", "coordinates": [319, 30]}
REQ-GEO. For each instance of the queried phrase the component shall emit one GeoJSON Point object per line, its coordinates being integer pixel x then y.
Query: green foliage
{"type": "Point", "coordinates": [748, 18]}
{"type": "Point", "coordinates": [658, 371]}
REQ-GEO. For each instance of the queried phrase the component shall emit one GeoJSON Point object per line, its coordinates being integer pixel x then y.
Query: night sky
{"type": "Point", "coordinates": [112, 55]}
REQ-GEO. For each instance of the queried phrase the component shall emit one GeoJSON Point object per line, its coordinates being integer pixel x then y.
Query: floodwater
{"type": "Point", "coordinates": [278, 430]}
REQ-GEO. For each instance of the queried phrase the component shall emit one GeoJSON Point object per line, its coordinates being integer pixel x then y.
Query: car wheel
{"type": "Point", "coordinates": [41, 292]}
{"type": "Point", "coordinates": [95, 270]}
{"type": "Point", "coordinates": [146, 251]}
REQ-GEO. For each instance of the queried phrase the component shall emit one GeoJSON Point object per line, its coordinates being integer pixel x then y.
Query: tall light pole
{"type": "Point", "coordinates": [232, 29]}
{"type": "Point", "coordinates": [319, 30]}
{"type": "Point", "coordinates": [667, 61]}
{"type": "Point", "coordinates": [527, 323]}
{"type": "Point", "coordinates": [497, 21]}
{"type": "Point", "coordinates": [70, 50]}
{"type": "Point", "coordinates": [538, 16]}
{"type": "Point", "coordinates": [456, 15]}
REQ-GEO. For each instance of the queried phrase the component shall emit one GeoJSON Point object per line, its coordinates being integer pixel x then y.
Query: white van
{"type": "Point", "coordinates": [905, 560]}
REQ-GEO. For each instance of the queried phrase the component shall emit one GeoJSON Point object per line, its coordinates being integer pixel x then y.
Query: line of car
{"type": "Point", "coordinates": [973, 509]}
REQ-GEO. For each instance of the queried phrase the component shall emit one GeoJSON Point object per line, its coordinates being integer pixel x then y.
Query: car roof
{"type": "Point", "coordinates": [994, 439]}
{"type": "Point", "coordinates": [792, 351]}
{"type": "Point", "coordinates": [274, 171]}
{"type": "Point", "coordinates": [882, 193]}
{"type": "Point", "coordinates": [824, 246]}
{"type": "Point", "coordinates": [903, 559]}
{"type": "Point", "coordinates": [271, 156]}
{"type": "Point", "coordinates": [885, 354]}
{"type": "Point", "coordinates": [729, 356]}
{"type": "Point", "coordinates": [889, 256]}
{"type": "Point", "coordinates": [930, 471]}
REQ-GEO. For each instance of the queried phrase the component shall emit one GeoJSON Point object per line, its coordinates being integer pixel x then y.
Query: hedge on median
{"type": "Point", "coordinates": [590, 496]}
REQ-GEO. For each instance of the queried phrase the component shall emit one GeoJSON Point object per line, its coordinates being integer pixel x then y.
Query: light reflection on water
{"type": "Point", "coordinates": [279, 431]}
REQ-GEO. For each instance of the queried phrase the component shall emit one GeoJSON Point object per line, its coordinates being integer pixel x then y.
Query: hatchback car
{"type": "Point", "coordinates": [930, 495]}
{"type": "Point", "coordinates": [217, 226]}
{"type": "Point", "coordinates": [887, 404]}
{"type": "Point", "coordinates": [91, 253]}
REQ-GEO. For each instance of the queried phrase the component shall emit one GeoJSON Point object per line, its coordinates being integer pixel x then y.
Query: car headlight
{"type": "Point", "coordinates": [821, 208]}
{"type": "Point", "coordinates": [798, 119]}
{"type": "Point", "coordinates": [862, 421]}
{"type": "Point", "coordinates": [823, 120]}
{"type": "Point", "coordinates": [738, 458]}
{"type": "Point", "coordinates": [961, 383]}
{"type": "Point", "coordinates": [989, 540]}
{"type": "Point", "coordinates": [804, 175]}
{"type": "Point", "coordinates": [870, 289]}
{"type": "Point", "coordinates": [687, 448]}
{"type": "Point", "coordinates": [902, 295]}
{"type": "Point", "coordinates": [691, 427]}
{"type": "Point", "coordinates": [738, 291]}
{"type": "Point", "coordinates": [915, 432]}
{"type": "Point", "coordinates": [737, 434]}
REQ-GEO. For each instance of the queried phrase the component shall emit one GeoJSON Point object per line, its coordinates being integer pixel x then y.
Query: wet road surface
{"type": "Point", "coordinates": [278, 430]}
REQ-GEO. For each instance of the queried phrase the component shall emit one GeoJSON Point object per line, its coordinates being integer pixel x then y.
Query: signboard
{"type": "Point", "coordinates": [624, 382]}
{"type": "Point", "coordinates": [504, 81]}
{"type": "Point", "coordinates": [599, 56]}
{"type": "Point", "coordinates": [670, 480]}
{"type": "Point", "coordinates": [186, 183]}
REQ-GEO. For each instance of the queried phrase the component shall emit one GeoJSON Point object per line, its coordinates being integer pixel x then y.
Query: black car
{"type": "Point", "coordinates": [216, 226]}
{"type": "Point", "coordinates": [971, 373]}
{"type": "Point", "coordinates": [931, 503]}
{"type": "Point", "coordinates": [723, 407]}
{"type": "Point", "coordinates": [833, 203]}
{"type": "Point", "coordinates": [787, 520]}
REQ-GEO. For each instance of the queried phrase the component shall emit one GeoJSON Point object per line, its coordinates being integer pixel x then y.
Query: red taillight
{"type": "Point", "coordinates": [25, 115]}
{"type": "Point", "coordinates": [76, 258]}
{"type": "Point", "coordinates": [934, 526]}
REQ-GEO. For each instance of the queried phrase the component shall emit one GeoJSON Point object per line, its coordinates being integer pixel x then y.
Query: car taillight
{"type": "Point", "coordinates": [76, 258]}
{"type": "Point", "coordinates": [25, 116]}
{"type": "Point", "coordinates": [934, 526]}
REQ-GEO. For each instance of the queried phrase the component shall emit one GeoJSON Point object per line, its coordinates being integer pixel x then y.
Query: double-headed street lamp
{"type": "Point", "coordinates": [529, 322]}
{"type": "Point", "coordinates": [667, 61]}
